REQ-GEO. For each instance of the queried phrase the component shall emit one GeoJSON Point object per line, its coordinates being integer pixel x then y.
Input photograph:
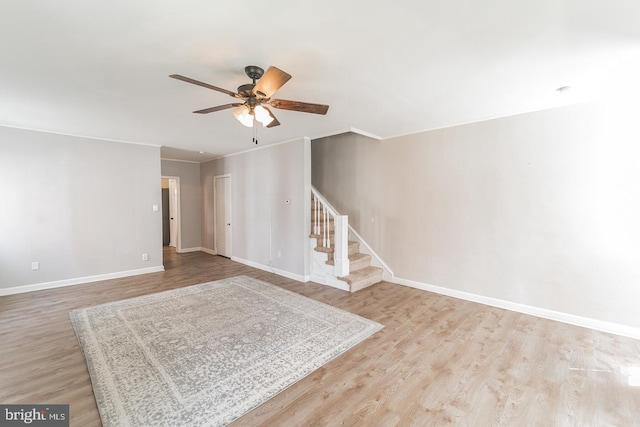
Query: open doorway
{"type": "Point", "coordinates": [171, 212]}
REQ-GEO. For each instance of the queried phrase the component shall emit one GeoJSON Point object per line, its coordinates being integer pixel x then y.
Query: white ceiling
{"type": "Point", "coordinates": [100, 68]}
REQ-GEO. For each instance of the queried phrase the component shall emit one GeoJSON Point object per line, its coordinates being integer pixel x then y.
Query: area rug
{"type": "Point", "coordinates": [206, 354]}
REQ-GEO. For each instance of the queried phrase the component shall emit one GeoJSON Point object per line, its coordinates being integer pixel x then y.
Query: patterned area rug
{"type": "Point", "coordinates": [206, 354]}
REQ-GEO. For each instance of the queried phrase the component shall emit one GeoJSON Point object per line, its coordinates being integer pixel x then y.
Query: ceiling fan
{"type": "Point", "coordinates": [257, 97]}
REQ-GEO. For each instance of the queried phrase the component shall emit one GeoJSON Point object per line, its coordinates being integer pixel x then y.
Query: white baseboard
{"type": "Point", "coordinates": [78, 280]}
{"type": "Point", "coordinates": [284, 273]}
{"type": "Point", "coordinates": [585, 322]}
{"type": "Point", "coordinates": [187, 250]}
{"type": "Point", "coordinates": [197, 249]}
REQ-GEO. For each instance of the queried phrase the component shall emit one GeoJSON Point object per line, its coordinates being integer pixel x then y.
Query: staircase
{"type": "Point", "coordinates": [360, 272]}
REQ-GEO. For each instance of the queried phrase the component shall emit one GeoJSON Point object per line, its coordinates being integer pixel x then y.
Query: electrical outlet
{"type": "Point", "coordinates": [145, 257]}
{"type": "Point", "coordinates": [35, 265]}
{"type": "Point", "coordinates": [279, 254]}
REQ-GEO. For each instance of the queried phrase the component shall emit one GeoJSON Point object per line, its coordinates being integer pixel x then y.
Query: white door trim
{"type": "Point", "coordinates": [179, 210]}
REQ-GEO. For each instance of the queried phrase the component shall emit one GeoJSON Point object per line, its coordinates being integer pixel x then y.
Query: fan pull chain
{"type": "Point", "coordinates": [255, 130]}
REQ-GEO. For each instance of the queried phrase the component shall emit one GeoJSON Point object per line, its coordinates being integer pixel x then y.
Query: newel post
{"type": "Point", "coordinates": [341, 251]}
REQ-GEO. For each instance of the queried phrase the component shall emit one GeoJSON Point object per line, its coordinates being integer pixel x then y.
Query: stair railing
{"type": "Point", "coordinates": [322, 215]}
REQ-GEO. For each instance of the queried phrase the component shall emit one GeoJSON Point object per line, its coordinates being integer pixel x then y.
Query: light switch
{"type": "Point", "coordinates": [155, 208]}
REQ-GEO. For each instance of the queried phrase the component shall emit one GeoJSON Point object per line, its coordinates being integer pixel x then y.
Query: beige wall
{"type": "Point", "coordinates": [540, 209]}
{"type": "Point", "coordinates": [82, 208]}
{"type": "Point", "coordinates": [263, 225]}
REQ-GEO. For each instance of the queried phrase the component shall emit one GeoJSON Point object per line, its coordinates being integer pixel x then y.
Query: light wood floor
{"type": "Point", "coordinates": [438, 361]}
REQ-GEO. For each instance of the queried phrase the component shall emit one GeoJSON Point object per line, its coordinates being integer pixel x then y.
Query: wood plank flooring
{"type": "Point", "coordinates": [438, 361]}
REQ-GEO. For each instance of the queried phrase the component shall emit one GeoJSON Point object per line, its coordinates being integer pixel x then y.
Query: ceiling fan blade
{"type": "Point", "coordinates": [275, 121]}
{"type": "Point", "coordinates": [304, 107]}
{"type": "Point", "coordinates": [270, 82]}
{"type": "Point", "coordinates": [218, 108]}
{"type": "Point", "coordinates": [196, 82]}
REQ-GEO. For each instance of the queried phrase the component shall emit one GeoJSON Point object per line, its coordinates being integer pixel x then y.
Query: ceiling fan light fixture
{"type": "Point", "coordinates": [259, 91]}
{"type": "Point", "coordinates": [243, 115]}
{"type": "Point", "coordinates": [262, 115]}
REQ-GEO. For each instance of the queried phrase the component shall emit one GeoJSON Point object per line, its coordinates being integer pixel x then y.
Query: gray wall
{"type": "Point", "coordinates": [261, 181]}
{"type": "Point", "coordinates": [190, 201]}
{"type": "Point", "coordinates": [540, 209]}
{"type": "Point", "coordinates": [80, 207]}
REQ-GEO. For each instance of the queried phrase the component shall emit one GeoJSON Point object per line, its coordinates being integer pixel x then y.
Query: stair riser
{"type": "Point", "coordinates": [354, 248]}
{"type": "Point", "coordinates": [359, 264]}
{"type": "Point", "coordinates": [361, 284]}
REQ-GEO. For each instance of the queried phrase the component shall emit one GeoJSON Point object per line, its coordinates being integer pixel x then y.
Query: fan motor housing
{"type": "Point", "coordinates": [246, 90]}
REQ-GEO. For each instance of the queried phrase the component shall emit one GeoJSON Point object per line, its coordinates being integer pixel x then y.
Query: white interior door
{"type": "Point", "coordinates": [173, 212]}
{"type": "Point", "coordinates": [222, 200]}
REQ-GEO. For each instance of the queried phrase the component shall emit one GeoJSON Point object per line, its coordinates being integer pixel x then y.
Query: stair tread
{"type": "Point", "coordinates": [316, 236]}
{"type": "Point", "coordinates": [364, 278]}
{"type": "Point", "coordinates": [363, 273]}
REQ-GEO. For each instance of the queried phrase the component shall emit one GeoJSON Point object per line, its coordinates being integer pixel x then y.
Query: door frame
{"type": "Point", "coordinates": [215, 214]}
{"type": "Point", "coordinates": [178, 211]}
